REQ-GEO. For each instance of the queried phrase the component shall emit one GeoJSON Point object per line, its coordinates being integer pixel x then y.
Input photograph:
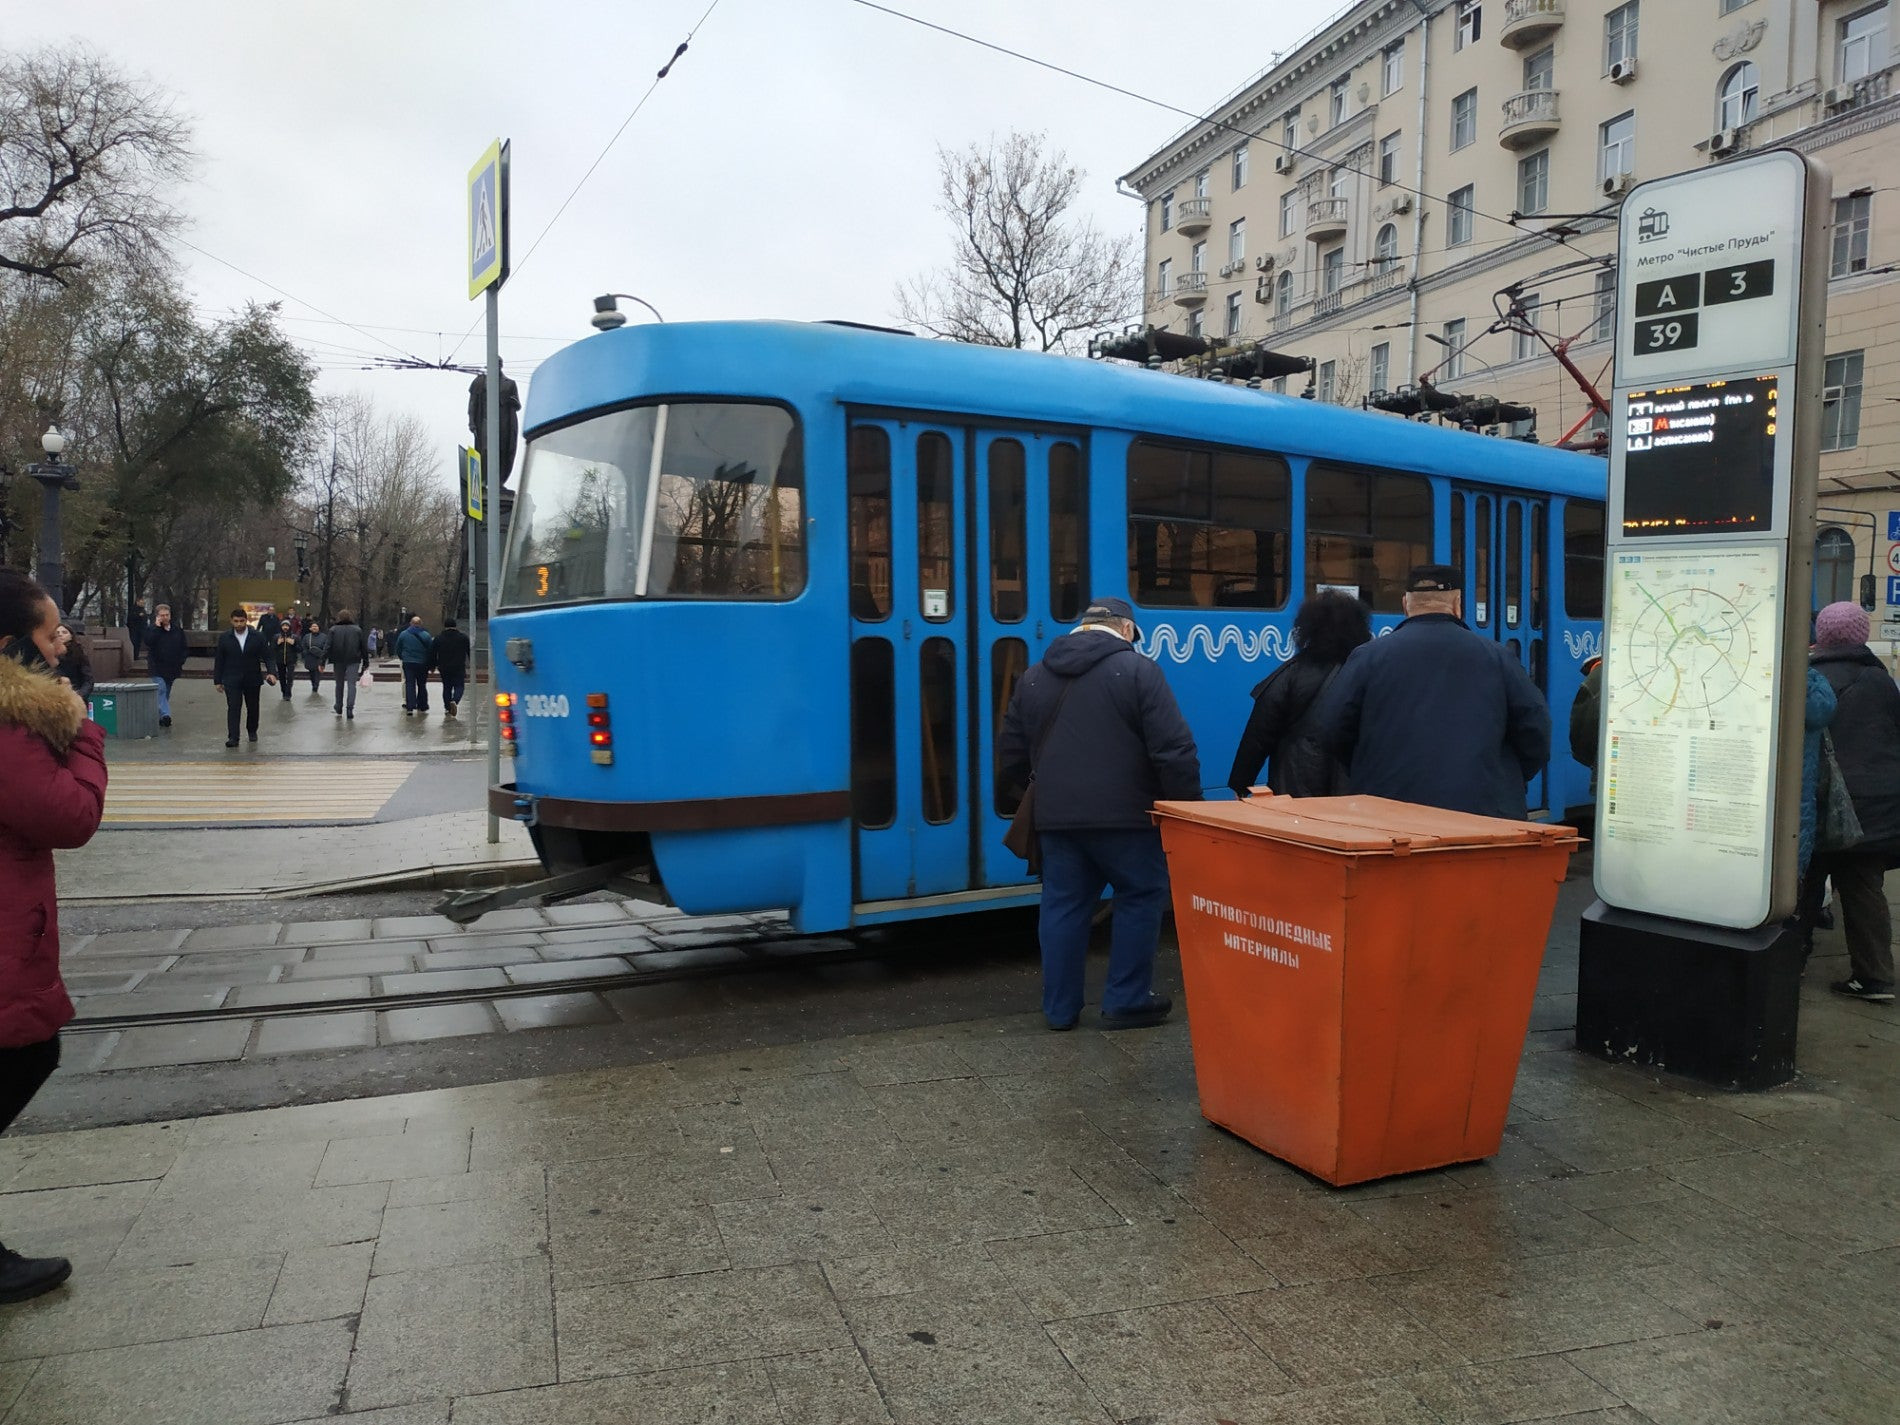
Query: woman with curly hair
{"type": "Point", "coordinates": [1327, 628]}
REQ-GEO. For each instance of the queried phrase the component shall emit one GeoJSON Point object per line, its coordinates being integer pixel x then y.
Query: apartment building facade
{"type": "Point", "coordinates": [1414, 168]}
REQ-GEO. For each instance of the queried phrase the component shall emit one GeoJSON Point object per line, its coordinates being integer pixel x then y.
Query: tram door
{"type": "Point", "coordinates": [959, 578]}
{"type": "Point", "coordinates": [1500, 541]}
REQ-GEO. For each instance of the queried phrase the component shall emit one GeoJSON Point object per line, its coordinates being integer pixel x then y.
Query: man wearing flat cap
{"type": "Point", "coordinates": [1097, 727]}
{"type": "Point", "coordinates": [1436, 714]}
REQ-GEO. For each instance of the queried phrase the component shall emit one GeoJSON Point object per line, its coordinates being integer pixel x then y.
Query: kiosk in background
{"type": "Point", "coordinates": [1685, 960]}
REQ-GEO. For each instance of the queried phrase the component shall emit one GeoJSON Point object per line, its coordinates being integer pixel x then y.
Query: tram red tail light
{"type": "Point", "coordinates": [505, 720]}
{"type": "Point", "coordinates": [600, 734]}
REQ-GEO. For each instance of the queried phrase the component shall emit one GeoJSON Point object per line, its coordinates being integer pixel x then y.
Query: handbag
{"type": "Point", "coordinates": [1021, 839]}
{"type": "Point", "coordinates": [366, 680]}
{"type": "Point", "coordinates": [1839, 825]}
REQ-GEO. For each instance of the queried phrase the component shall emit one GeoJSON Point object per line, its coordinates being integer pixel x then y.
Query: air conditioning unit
{"type": "Point", "coordinates": [1264, 262]}
{"type": "Point", "coordinates": [1227, 269]}
{"type": "Point", "coordinates": [1263, 289]}
{"type": "Point", "coordinates": [1283, 162]}
{"type": "Point", "coordinates": [1623, 71]}
{"type": "Point", "coordinates": [1394, 207]}
{"type": "Point", "coordinates": [1616, 185]}
{"type": "Point", "coordinates": [1834, 98]}
{"type": "Point", "coordinates": [1727, 141]}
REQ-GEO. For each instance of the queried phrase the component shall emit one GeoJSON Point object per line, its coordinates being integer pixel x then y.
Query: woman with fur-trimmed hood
{"type": "Point", "coordinates": [52, 758]}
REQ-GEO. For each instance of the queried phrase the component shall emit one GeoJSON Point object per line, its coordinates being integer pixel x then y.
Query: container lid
{"type": "Point", "coordinates": [1363, 825]}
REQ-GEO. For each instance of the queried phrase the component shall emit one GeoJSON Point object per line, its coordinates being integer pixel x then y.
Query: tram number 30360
{"type": "Point", "coordinates": [544, 704]}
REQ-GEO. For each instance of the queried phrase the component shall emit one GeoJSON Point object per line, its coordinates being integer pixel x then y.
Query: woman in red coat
{"type": "Point", "coordinates": [52, 760]}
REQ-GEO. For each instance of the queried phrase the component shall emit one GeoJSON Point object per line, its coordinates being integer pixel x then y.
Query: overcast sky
{"type": "Point", "coordinates": [785, 169]}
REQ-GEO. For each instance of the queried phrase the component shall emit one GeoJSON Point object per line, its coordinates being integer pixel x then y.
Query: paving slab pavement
{"type": "Point", "coordinates": [978, 1222]}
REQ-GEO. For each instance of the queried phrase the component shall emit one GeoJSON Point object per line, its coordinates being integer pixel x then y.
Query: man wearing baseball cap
{"type": "Point", "coordinates": [1436, 714]}
{"type": "Point", "coordinates": [1097, 727]}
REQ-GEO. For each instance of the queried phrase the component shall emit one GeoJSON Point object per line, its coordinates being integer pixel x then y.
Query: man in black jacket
{"type": "Point", "coordinates": [349, 655]}
{"type": "Point", "coordinates": [1097, 727]}
{"type": "Point", "coordinates": [1436, 714]}
{"type": "Point", "coordinates": [165, 651]}
{"type": "Point", "coordinates": [239, 670]}
{"type": "Point", "coordinates": [451, 661]}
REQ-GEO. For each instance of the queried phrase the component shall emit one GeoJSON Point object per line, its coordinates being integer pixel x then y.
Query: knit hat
{"type": "Point", "coordinates": [1842, 625]}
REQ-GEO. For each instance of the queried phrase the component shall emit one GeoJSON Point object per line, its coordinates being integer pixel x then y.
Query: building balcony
{"type": "Point", "coordinates": [1193, 215]}
{"type": "Point", "coordinates": [1529, 118]}
{"type": "Point", "coordinates": [1190, 289]}
{"type": "Point", "coordinates": [1326, 219]}
{"type": "Point", "coordinates": [1526, 22]}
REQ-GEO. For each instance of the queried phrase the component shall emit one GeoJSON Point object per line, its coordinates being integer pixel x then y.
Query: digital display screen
{"type": "Point", "coordinates": [1700, 459]}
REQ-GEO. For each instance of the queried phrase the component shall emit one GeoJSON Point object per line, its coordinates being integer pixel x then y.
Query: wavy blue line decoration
{"type": "Point", "coordinates": [1583, 644]}
{"type": "Point", "coordinates": [1164, 640]}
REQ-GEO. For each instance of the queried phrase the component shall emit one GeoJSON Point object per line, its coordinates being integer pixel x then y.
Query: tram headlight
{"type": "Point", "coordinates": [600, 732]}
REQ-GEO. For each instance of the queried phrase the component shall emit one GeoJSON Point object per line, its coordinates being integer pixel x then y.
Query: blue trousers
{"type": "Point", "coordinates": [1076, 867]}
{"type": "Point", "coordinates": [164, 686]}
{"type": "Point", "coordinates": [415, 687]}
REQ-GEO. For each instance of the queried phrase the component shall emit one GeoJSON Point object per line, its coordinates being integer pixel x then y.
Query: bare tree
{"type": "Point", "coordinates": [87, 156]}
{"type": "Point", "coordinates": [1026, 271]}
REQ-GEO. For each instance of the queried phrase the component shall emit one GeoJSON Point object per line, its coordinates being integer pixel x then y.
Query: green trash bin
{"type": "Point", "coordinates": [126, 709]}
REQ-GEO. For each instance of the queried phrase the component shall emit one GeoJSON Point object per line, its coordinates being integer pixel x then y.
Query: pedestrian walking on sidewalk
{"type": "Point", "coordinates": [270, 626]}
{"type": "Point", "coordinates": [416, 648]}
{"type": "Point", "coordinates": [348, 658]}
{"type": "Point", "coordinates": [284, 658]}
{"type": "Point", "coordinates": [75, 664]}
{"type": "Point", "coordinates": [165, 651]}
{"type": "Point", "coordinates": [315, 647]}
{"type": "Point", "coordinates": [1327, 628]}
{"type": "Point", "coordinates": [451, 660]}
{"type": "Point", "coordinates": [1096, 728]}
{"type": "Point", "coordinates": [135, 628]}
{"type": "Point", "coordinates": [375, 640]}
{"type": "Point", "coordinates": [239, 670]}
{"type": "Point", "coordinates": [1436, 714]}
{"type": "Point", "coordinates": [1866, 737]}
{"type": "Point", "coordinates": [55, 768]}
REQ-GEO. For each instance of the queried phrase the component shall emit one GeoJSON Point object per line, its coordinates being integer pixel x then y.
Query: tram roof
{"type": "Point", "coordinates": [812, 364]}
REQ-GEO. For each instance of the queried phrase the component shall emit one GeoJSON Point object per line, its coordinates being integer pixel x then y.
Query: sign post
{"type": "Point", "coordinates": [473, 502]}
{"type": "Point", "coordinates": [1685, 959]}
{"type": "Point", "coordinates": [487, 269]}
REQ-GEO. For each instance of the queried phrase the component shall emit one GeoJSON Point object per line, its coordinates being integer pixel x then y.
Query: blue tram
{"type": "Point", "coordinates": [769, 586]}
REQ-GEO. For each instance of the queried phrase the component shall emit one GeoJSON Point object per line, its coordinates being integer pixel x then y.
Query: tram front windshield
{"type": "Point", "coordinates": [688, 500]}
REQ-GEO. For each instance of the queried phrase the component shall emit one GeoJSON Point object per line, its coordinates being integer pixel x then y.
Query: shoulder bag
{"type": "Point", "coordinates": [1839, 825]}
{"type": "Point", "coordinates": [1021, 839]}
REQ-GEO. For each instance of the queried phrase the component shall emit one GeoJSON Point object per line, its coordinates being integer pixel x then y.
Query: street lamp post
{"type": "Point", "coordinates": [53, 476]}
{"type": "Point", "coordinates": [270, 561]}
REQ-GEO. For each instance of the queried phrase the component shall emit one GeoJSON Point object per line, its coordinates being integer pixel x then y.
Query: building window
{"type": "Point", "coordinates": [1834, 568]}
{"type": "Point", "coordinates": [1200, 184]}
{"type": "Point", "coordinates": [1167, 211]}
{"type": "Point", "coordinates": [1283, 295]}
{"type": "Point", "coordinates": [1464, 119]}
{"type": "Point", "coordinates": [1366, 529]}
{"type": "Point", "coordinates": [1458, 210]}
{"type": "Point", "coordinates": [1729, 7]}
{"type": "Point", "coordinates": [1616, 146]}
{"type": "Point", "coordinates": [1328, 380]}
{"type": "Point", "coordinates": [1619, 35]}
{"type": "Point", "coordinates": [1332, 268]}
{"type": "Point", "coordinates": [1237, 240]}
{"type": "Point", "coordinates": [1379, 371]}
{"type": "Point", "coordinates": [1163, 274]}
{"type": "Point", "coordinates": [1392, 62]}
{"type": "Point", "coordinates": [1863, 43]}
{"type": "Point", "coordinates": [1240, 168]}
{"type": "Point", "coordinates": [1533, 182]}
{"type": "Point", "coordinates": [1206, 527]}
{"type": "Point", "coordinates": [1279, 385]}
{"type": "Point", "coordinates": [1840, 402]}
{"type": "Point", "coordinates": [1524, 344]}
{"type": "Point", "coordinates": [1853, 217]}
{"type": "Point", "coordinates": [1604, 298]}
{"type": "Point", "coordinates": [1197, 257]}
{"type": "Point", "coordinates": [1195, 325]}
{"type": "Point", "coordinates": [1385, 249]}
{"type": "Point", "coordinates": [1289, 213]}
{"type": "Point", "coordinates": [1336, 101]}
{"type": "Point", "coordinates": [1738, 97]}
{"type": "Point", "coordinates": [1470, 23]}
{"type": "Point", "coordinates": [1453, 365]}
{"type": "Point", "coordinates": [1540, 69]}
{"type": "Point", "coordinates": [1388, 160]}
{"type": "Point", "coordinates": [1233, 314]}
{"type": "Point", "coordinates": [1290, 130]}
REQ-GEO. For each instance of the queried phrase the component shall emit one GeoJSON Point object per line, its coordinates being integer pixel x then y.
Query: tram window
{"type": "Point", "coordinates": [873, 734]}
{"type": "Point", "coordinates": [1009, 660]}
{"type": "Point", "coordinates": [937, 685]}
{"type": "Point", "coordinates": [1513, 563]}
{"type": "Point", "coordinates": [1207, 528]}
{"type": "Point", "coordinates": [936, 527]}
{"type": "Point", "coordinates": [726, 515]}
{"type": "Point", "coordinates": [1458, 531]}
{"type": "Point", "coordinates": [1068, 533]}
{"type": "Point", "coordinates": [1540, 539]}
{"type": "Point", "coordinates": [1480, 615]}
{"type": "Point", "coordinates": [1583, 559]}
{"type": "Point", "coordinates": [1009, 532]}
{"type": "Point", "coordinates": [868, 476]}
{"type": "Point", "coordinates": [1366, 529]}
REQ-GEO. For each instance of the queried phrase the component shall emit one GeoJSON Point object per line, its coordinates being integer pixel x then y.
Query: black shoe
{"type": "Point", "coordinates": [23, 1278]}
{"type": "Point", "coordinates": [1147, 1017]}
{"type": "Point", "coordinates": [1860, 989]}
{"type": "Point", "coordinates": [408, 712]}
{"type": "Point", "coordinates": [1062, 1026]}
{"type": "Point", "coordinates": [231, 743]}
{"type": "Point", "coordinates": [164, 722]}
{"type": "Point", "coordinates": [1825, 920]}
{"type": "Point", "coordinates": [349, 717]}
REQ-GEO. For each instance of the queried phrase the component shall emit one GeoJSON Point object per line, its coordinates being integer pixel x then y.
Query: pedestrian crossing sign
{"type": "Point", "coordinates": [488, 220]}
{"type": "Point", "coordinates": [472, 481]}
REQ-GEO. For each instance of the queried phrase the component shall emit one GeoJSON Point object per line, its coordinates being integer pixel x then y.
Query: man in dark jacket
{"type": "Point", "coordinates": [135, 628]}
{"type": "Point", "coordinates": [451, 660]}
{"type": "Point", "coordinates": [1096, 726]}
{"type": "Point", "coordinates": [1436, 714]}
{"type": "Point", "coordinates": [349, 653]}
{"type": "Point", "coordinates": [415, 647]}
{"type": "Point", "coordinates": [165, 651]}
{"type": "Point", "coordinates": [239, 670]}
